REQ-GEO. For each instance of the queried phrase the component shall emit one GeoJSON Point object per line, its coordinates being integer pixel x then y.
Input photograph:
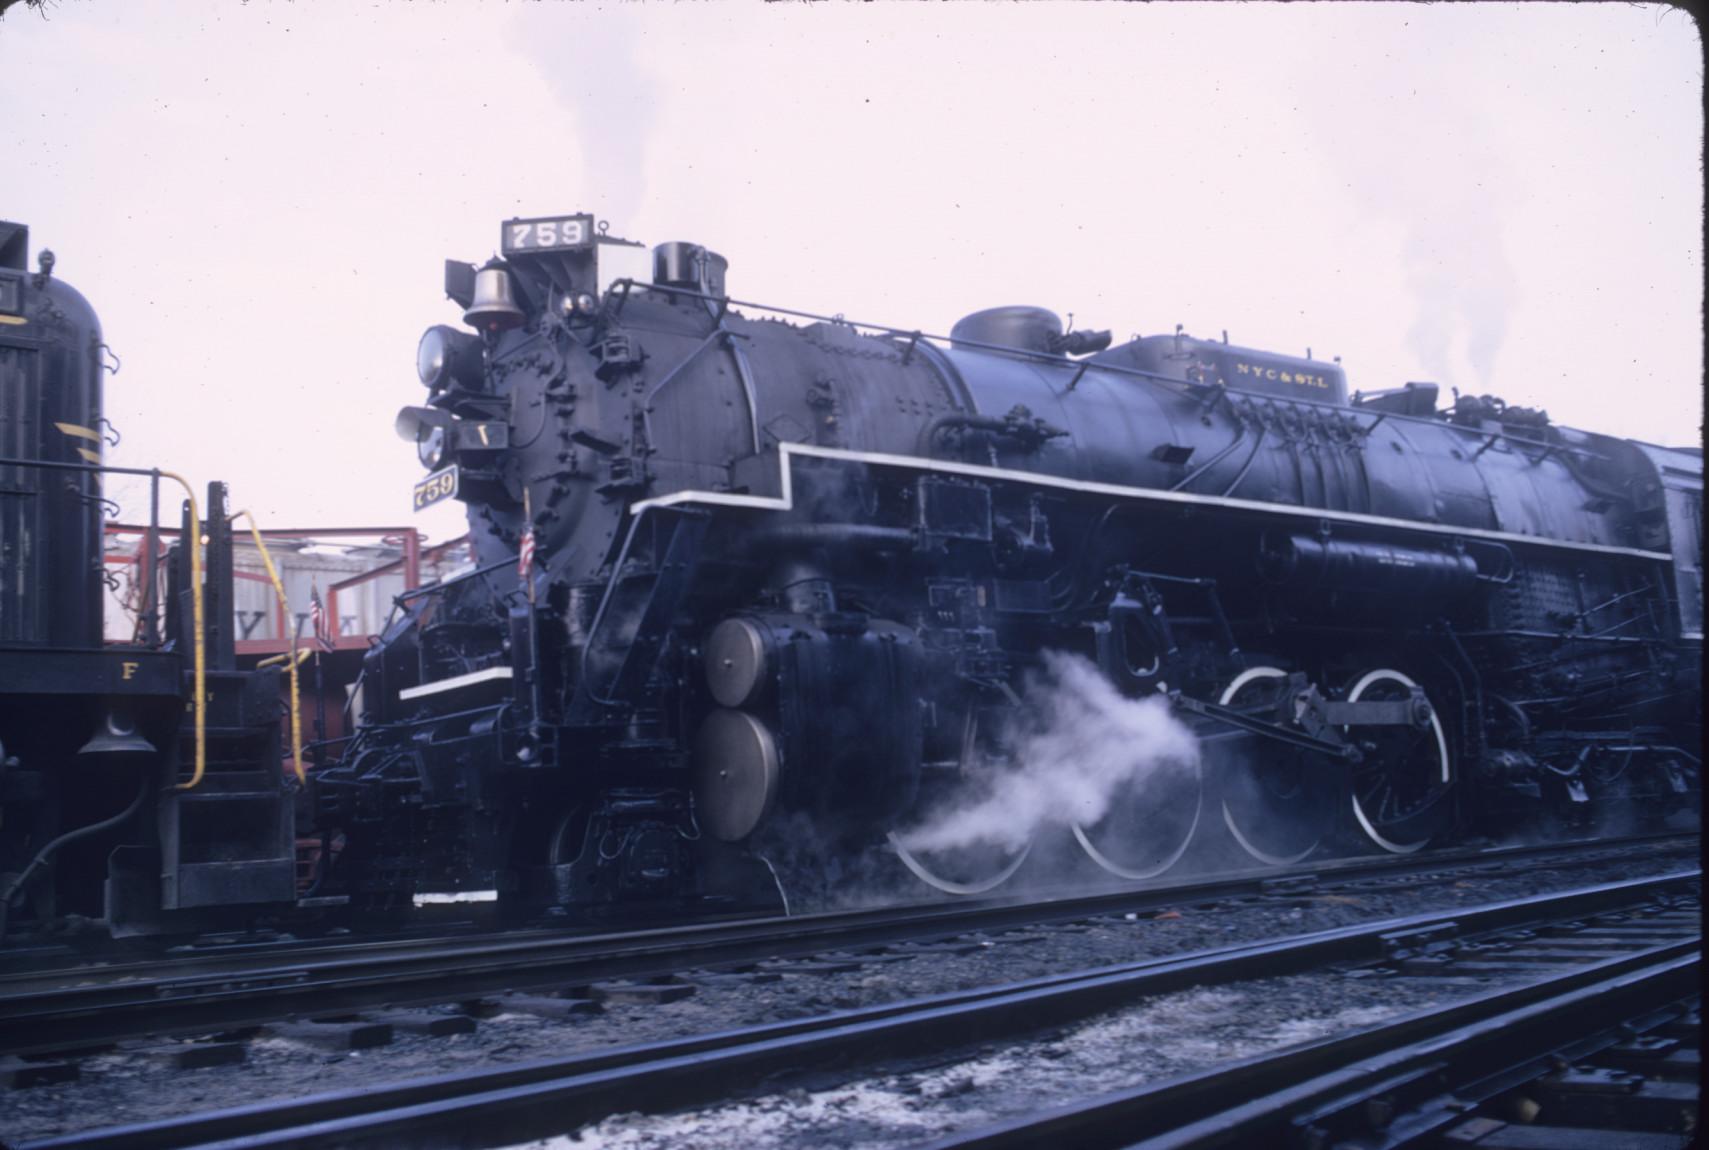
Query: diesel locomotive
{"type": "Point", "coordinates": [742, 569]}
{"type": "Point", "coordinates": [140, 781]}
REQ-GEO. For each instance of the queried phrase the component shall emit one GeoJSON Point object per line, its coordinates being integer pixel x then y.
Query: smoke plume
{"type": "Point", "coordinates": [1463, 284]}
{"type": "Point", "coordinates": [1076, 745]}
{"type": "Point", "coordinates": [592, 61]}
{"type": "Point", "coordinates": [1420, 150]}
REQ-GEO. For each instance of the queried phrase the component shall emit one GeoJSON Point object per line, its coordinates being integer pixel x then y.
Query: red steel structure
{"type": "Point", "coordinates": [410, 541]}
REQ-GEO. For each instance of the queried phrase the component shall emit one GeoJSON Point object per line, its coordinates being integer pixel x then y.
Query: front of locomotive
{"type": "Point", "coordinates": [731, 612]}
{"type": "Point", "coordinates": [491, 763]}
{"type": "Point", "coordinates": [503, 427]}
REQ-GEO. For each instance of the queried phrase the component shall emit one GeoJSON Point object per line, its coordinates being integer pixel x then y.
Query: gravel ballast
{"type": "Point", "coordinates": [124, 1086]}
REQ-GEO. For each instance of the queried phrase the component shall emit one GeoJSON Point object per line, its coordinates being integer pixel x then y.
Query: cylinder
{"type": "Point", "coordinates": [1307, 563]}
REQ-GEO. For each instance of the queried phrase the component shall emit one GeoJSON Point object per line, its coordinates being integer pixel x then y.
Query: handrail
{"type": "Point", "coordinates": [200, 706]}
{"type": "Point", "coordinates": [295, 659]}
{"type": "Point", "coordinates": [198, 641]}
{"type": "Point", "coordinates": [302, 656]}
{"type": "Point", "coordinates": [443, 584]}
{"type": "Point", "coordinates": [914, 337]}
{"type": "Point", "coordinates": [1055, 359]}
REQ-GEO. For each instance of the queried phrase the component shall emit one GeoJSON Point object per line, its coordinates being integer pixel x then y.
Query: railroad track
{"type": "Point", "coordinates": [43, 969]}
{"type": "Point", "coordinates": [1605, 1056]}
{"type": "Point", "coordinates": [1579, 962]}
{"type": "Point", "coordinates": [230, 991]}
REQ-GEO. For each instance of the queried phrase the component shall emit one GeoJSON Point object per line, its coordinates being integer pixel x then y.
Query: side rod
{"type": "Point", "coordinates": [1246, 722]}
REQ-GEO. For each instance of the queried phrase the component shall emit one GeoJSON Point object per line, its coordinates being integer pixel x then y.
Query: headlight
{"type": "Point", "coordinates": [430, 446]}
{"type": "Point", "coordinates": [446, 354]}
{"type": "Point", "coordinates": [430, 356]}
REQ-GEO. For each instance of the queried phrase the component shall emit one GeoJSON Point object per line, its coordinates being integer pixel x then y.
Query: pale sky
{"type": "Point", "coordinates": [258, 198]}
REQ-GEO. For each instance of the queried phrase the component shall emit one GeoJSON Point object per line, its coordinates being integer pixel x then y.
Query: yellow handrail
{"type": "Point", "coordinates": [295, 659]}
{"type": "Point", "coordinates": [196, 642]}
{"type": "Point", "coordinates": [272, 660]}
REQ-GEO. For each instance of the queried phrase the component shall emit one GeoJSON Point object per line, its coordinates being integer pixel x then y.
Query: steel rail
{"type": "Point", "coordinates": [40, 973]}
{"type": "Point", "coordinates": [182, 998]}
{"type": "Point", "coordinates": [1191, 1112]}
{"type": "Point", "coordinates": [541, 1098]}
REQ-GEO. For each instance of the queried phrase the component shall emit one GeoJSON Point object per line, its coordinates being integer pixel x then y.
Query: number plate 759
{"type": "Point", "coordinates": [557, 233]}
{"type": "Point", "coordinates": [436, 487]}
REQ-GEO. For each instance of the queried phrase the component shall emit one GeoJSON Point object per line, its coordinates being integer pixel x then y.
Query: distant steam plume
{"type": "Point", "coordinates": [1463, 285]}
{"type": "Point", "coordinates": [1418, 147]}
{"type": "Point", "coordinates": [1076, 745]}
{"type": "Point", "coordinates": [590, 57]}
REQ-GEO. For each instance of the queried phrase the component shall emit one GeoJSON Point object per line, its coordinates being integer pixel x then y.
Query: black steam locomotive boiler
{"type": "Point", "coordinates": [123, 802]}
{"type": "Point", "coordinates": [783, 566]}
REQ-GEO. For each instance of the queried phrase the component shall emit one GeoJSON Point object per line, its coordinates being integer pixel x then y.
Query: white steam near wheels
{"type": "Point", "coordinates": [989, 881]}
{"type": "Point", "coordinates": [973, 868]}
{"type": "Point", "coordinates": [1175, 841]}
{"type": "Point", "coordinates": [1417, 759]}
{"type": "Point", "coordinates": [1258, 836]}
{"type": "Point", "coordinates": [1074, 750]}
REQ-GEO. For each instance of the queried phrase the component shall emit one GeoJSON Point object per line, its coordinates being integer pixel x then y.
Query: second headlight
{"type": "Point", "coordinates": [430, 446]}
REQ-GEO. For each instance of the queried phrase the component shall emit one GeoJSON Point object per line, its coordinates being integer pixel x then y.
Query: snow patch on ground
{"type": "Point", "coordinates": [1164, 1037]}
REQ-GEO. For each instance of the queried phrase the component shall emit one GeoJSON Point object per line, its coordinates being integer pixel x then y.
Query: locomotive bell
{"type": "Point", "coordinates": [494, 307]}
{"type": "Point", "coordinates": [117, 736]}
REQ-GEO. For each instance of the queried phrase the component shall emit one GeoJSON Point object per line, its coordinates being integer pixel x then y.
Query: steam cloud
{"type": "Point", "coordinates": [591, 60]}
{"type": "Point", "coordinates": [1420, 150]}
{"type": "Point", "coordinates": [1077, 744]}
{"type": "Point", "coordinates": [1458, 271]}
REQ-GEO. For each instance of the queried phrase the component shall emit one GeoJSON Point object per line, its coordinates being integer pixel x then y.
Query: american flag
{"type": "Point", "coordinates": [317, 619]}
{"type": "Point", "coordinates": [525, 554]}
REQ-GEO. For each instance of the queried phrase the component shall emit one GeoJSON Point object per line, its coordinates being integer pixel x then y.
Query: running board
{"type": "Point", "coordinates": [455, 683]}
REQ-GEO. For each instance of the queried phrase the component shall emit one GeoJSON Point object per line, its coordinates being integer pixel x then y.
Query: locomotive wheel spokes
{"type": "Point", "coordinates": [1398, 790]}
{"type": "Point", "coordinates": [1276, 800]}
{"type": "Point", "coordinates": [567, 838]}
{"type": "Point", "coordinates": [973, 869]}
{"type": "Point", "coordinates": [1150, 824]}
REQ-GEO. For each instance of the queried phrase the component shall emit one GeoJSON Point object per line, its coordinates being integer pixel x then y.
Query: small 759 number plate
{"type": "Point", "coordinates": [439, 486]}
{"type": "Point", "coordinates": [553, 234]}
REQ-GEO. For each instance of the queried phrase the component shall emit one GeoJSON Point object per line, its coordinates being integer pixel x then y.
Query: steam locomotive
{"type": "Point", "coordinates": [784, 564]}
{"type": "Point", "coordinates": [741, 568]}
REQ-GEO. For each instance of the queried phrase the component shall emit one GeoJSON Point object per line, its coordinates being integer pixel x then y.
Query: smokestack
{"type": "Point", "coordinates": [685, 265]}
